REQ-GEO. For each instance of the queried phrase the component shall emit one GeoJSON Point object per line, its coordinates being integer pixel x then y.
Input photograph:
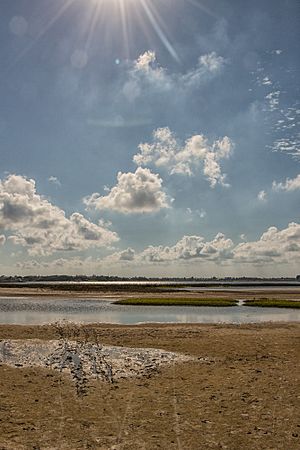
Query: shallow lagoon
{"type": "Point", "coordinates": [37, 311]}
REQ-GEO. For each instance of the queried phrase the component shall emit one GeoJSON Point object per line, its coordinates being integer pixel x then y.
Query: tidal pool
{"type": "Point", "coordinates": [37, 311]}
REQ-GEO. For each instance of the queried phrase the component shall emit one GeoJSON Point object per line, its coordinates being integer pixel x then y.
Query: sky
{"type": "Point", "coordinates": [150, 137]}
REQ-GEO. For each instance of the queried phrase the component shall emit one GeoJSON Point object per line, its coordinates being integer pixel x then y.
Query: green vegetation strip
{"type": "Point", "coordinates": [177, 302]}
{"type": "Point", "coordinates": [273, 303]}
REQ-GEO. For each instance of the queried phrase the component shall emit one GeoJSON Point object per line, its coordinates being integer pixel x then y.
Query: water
{"type": "Point", "coordinates": [244, 288]}
{"type": "Point", "coordinates": [37, 311]}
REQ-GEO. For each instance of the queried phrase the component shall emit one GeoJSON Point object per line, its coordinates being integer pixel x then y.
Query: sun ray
{"type": "Point", "coordinates": [96, 14]}
{"type": "Point", "coordinates": [125, 28]}
{"type": "Point", "coordinates": [158, 30]}
{"type": "Point", "coordinates": [203, 8]}
{"type": "Point", "coordinates": [106, 16]}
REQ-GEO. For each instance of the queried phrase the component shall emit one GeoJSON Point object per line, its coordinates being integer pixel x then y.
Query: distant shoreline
{"type": "Point", "coordinates": [132, 291]}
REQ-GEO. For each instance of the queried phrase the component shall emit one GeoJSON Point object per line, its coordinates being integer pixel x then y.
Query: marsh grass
{"type": "Point", "coordinates": [177, 302]}
{"type": "Point", "coordinates": [273, 303]}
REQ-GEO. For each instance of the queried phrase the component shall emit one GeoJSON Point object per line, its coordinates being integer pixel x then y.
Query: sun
{"type": "Point", "coordinates": [112, 19]}
{"type": "Point", "coordinates": [126, 12]}
{"type": "Point", "coordinates": [115, 18]}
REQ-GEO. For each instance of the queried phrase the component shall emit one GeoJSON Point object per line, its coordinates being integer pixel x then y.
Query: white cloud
{"type": "Point", "coordinates": [262, 196]}
{"type": "Point", "coordinates": [273, 100]}
{"type": "Point", "coordinates": [127, 255]}
{"type": "Point", "coordinates": [290, 184]}
{"type": "Point", "coordinates": [42, 227]}
{"type": "Point", "coordinates": [273, 246]}
{"type": "Point", "coordinates": [124, 256]}
{"type": "Point", "coordinates": [138, 192]}
{"type": "Point", "coordinates": [266, 81]}
{"type": "Point", "coordinates": [145, 60]}
{"type": "Point", "coordinates": [211, 61]}
{"type": "Point", "coordinates": [61, 265]}
{"type": "Point", "coordinates": [146, 74]}
{"type": "Point", "coordinates": [190, 247]}
{"type": "Point", "coordinates": [289, 145]}
{"type": "Point", "coordinates": [197, 213]}
{"type": "Point", "coordinates": [165, 151]}
{"type": "Point", "coordinates": [54, 180]}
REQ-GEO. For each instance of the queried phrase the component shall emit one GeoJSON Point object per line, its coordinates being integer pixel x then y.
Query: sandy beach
{"type": "Point", "coordinates": [239, 390]}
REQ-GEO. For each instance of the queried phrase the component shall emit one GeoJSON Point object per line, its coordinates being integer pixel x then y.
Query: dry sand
{"type": "Point", "coordinates": [245, 394]}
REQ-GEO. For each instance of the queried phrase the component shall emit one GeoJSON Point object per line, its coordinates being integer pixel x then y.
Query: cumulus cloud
{"type": "Point", "coordinates": [273, 246]}
{"type": "Point", "coordinates": [190, 247]}
{"type": "Point", "coordinates": [138, 192]}
{"type": "Point", "coordinates": [125, 256]}
{"type": "Point", "coordinates": [146, 74]}
{"type": "Point", "coordinates": [166, 151]}
{"type": "Point", "coordinates": [42, 227]}
{"type": "Point", "coordinates": [144, 61]}
{"type": "Point", "coordinates": [290, 184]}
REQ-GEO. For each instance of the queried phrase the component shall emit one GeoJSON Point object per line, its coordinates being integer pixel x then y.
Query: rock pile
{"type": "Point", "coordinates": [85, 361]}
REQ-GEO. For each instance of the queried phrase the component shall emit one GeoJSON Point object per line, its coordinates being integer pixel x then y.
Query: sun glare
{"type": "Point", "coordinates": [128, 13]}
{"type": "Point", "coordinates": [112, 19]}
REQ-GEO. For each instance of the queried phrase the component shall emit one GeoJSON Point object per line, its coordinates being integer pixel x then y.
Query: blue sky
{"type": "Point", "coordinates": [149, 137]}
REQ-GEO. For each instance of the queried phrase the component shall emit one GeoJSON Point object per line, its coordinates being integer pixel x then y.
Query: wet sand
{"type": "Point", "coordinates": [244, 394]}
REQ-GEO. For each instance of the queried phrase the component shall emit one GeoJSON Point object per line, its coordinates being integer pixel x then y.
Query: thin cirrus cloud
{"type": "Point", "coordinates": [54, 180]}
{"type": "Point", "coordinates": [281, 104]}
{"type": "Point", "coordinates": [194, 155]}
{"type": "Point", "coordinates": [135, 192]}
{"type": "Point", "coordinates": [41, 227]}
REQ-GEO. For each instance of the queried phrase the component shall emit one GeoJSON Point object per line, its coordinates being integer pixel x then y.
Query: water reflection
{"type": "Point", "coordinates": [36, 311]}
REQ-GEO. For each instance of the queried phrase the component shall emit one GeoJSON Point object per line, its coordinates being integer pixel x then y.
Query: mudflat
{"type": "Point", "coordinates": [239, 390]}
{"type": "Point", "coordinates": [126, 291]}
